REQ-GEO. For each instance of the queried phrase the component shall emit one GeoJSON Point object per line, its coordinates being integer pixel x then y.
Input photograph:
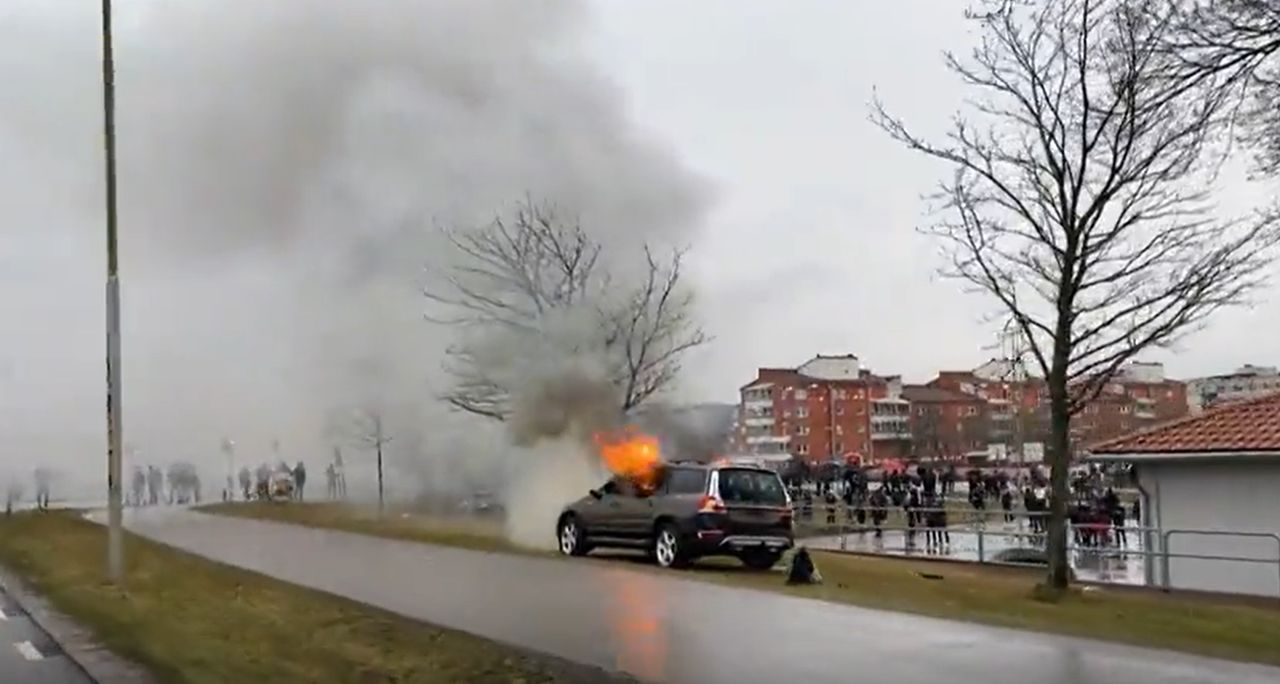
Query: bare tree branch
{"type": "Point", "coordinates": [1079, 196]}
{"type": "Point", "coordinates": [513, 274]}
{"type": "Point", "coordinates": [1235, 44]}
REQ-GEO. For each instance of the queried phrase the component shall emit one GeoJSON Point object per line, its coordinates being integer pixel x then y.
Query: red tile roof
{"type": "Point", "coordinates": [1246, 426]}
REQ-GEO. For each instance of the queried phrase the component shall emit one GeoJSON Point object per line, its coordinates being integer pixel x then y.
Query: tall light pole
{"type": "Point", "coordinates": [115, 531]}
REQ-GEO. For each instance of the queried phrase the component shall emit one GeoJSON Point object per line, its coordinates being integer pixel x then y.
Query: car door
{"type": "Point", "coordinates": [608, 517]}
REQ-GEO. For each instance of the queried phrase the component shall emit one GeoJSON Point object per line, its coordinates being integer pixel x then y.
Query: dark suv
{"type": "Point", "coordinates": [696, 510]}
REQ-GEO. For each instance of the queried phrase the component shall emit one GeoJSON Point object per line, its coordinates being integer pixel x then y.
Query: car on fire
{"type": "Point", "coordinates": [693, 510]}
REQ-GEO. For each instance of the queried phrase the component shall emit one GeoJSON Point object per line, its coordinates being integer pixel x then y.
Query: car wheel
{"type": "Point", "coordinates": [570, 537]}
{"type": "Point", "coordinates": [760, 560]}
{"type": "Point", "coordinates": [668, 550]}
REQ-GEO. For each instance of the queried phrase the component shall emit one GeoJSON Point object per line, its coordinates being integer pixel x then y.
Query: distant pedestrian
{"type": "Point", "coordinates": [42, 489]}
{"type": "Point", "coordinates": [331, 479]}
{"type": "Point", "coordinates": [138, 487]}
{"type": "Point", "coordinates": [263, 482]}
{"type": "Point", "coordinates": [299, 479]}
{"type": "Point", "coordinates": [155, 485]}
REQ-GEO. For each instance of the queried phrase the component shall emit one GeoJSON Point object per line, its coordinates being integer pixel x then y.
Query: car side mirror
{"type": "Point", "coordinates": [596, 494]}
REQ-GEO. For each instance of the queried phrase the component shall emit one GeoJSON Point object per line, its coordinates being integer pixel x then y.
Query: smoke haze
{"type": "Point", "coordinates": [281, 167]}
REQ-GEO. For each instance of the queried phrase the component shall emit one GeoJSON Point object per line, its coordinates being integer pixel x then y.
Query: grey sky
{"type": "Point", "coordinates": [282, 164]}
{"type": "Point", "coordinates": [810, 247]}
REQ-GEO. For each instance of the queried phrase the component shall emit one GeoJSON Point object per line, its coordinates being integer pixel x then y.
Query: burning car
{"type": "Point", "coordinates": [679, 512]}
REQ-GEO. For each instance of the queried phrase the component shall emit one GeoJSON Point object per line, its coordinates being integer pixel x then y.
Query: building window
{"type": "Point", "coordinates": [801, 395]}
{"type": "Point", "coordinates": [839, 409]}
{"type": "Point", "coordinates": [1124, 409]}
{"type": "Point", "coordinates": [862, 429]}
{"type": "Point", "coordinates": [839, 429]}
{"type": "Point", "coordinates": [920, 411]}
{"type": "Point", "coordinates": [973, 411]}
{"type": "Point", "coordinates": [861, 409]}
{"type": "Point", "coordinates": [840, 394]}
{"type": "Point", "coordinates": [802, 448]}
{"type": "Point", "coordinates": [802, 412]}
{"type": "Point", "coordinates": [839, 447]}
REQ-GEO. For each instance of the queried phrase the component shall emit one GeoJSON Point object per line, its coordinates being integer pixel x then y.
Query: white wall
{"type": "Point", "coordinates": [1221, 495]}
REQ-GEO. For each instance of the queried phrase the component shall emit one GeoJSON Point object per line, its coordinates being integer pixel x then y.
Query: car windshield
{"type": "Point", "coordinates": [740, 485]}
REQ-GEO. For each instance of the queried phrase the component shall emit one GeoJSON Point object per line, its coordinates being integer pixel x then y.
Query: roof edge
{"type": "Point", "coordinates": [1139, 456]}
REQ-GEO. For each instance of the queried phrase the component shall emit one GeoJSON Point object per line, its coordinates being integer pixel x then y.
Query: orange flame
{"type": "Point", "coordinates": [632, 455]}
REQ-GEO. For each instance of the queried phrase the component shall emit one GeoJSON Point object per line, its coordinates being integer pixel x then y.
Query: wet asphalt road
{"type": "Point", "coordinates": [28, 655]}
{"type": "Point", "coordinates": [661, 627]}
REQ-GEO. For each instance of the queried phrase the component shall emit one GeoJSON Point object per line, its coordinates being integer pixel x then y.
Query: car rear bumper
{"type": "Point", "coordinates": [709, 542]}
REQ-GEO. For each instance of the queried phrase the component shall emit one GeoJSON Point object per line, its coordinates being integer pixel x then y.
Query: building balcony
{"type": "Point", "coordinates": [887, 435]}
{"type": "Point", "coordinates": [757, 404]}
{"type": "Point", "coordinates": [1145, 414]}
{"type": "Point", "coordinates": [758, 421]}
{"type": "Point", "coordinates": [768, 439]}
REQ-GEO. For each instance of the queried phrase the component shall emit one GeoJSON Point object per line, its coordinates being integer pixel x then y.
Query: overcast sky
{"type": "Point", "coordinates": [811, 245]}
{"type": "Point", "coordinates": [284, 166]}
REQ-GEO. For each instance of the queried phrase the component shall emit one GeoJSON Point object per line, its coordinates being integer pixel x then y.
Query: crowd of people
{"type": "Point", "coordinates": [868, 497]}
{"type": "Point", "coordinates": [265, 483]}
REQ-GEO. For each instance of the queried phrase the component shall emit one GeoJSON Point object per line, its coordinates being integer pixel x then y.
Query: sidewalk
{"type": "Point", "coordinates": [39, 645]}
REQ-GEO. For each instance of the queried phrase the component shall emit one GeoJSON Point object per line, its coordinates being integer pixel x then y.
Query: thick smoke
{"type": "Point", "coordinates": [282, 165]}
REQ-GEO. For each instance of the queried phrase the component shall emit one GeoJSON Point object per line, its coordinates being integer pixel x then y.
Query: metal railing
{"type": "Point", "coordinates": [979, 530]}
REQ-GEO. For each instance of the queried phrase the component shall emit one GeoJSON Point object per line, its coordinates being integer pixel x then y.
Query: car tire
{"type": "Point", "coordinates": [760, 560]}
{"type": "Point", "coordinates": [668, 548]}
{"type": "Point", "coordinates": [571, 539]}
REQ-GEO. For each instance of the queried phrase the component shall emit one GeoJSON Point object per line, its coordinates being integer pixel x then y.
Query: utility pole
{"type": "Point", "coordinates": [115, 405]}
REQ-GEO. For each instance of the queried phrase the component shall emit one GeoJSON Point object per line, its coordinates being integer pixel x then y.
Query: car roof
{"type": "Point", "coordinates": [720, 465]}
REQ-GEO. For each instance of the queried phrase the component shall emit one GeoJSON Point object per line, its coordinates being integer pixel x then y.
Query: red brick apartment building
{"type": "Point", "coordinates": [831, 408]}
{"type": "Point", "coordinates": [827, 408]}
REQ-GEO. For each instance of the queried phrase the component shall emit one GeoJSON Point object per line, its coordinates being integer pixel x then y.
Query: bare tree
{"type": "Point", "coordinates": [365, 429]}
{"type": "Point", "coordinates": [519, 271]}
{"type": "Point", "coordinates": [1235, 44]}
{"type": "Point", "coordinates": [1079, 199]}
{"type": "Point", "coordinates": [926, 434]}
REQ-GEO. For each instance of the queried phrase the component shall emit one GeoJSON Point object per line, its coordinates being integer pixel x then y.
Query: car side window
{"type": "Point", "coordinates": [686, 481]}
{"type": "Point", "coordinates": [618, 487]}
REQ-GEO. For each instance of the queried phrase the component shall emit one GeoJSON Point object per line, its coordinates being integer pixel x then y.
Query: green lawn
{"type": "Point", "coordinates": [192, 620]}
{"type": "Point", "coordinates": [1244, 630]}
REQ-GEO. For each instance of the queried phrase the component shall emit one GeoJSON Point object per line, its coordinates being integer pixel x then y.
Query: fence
{"type": "Point", "coordinates": [1130, 554]}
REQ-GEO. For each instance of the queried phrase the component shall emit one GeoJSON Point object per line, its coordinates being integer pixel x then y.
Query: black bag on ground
{"type": "Point", "coordinates": [803, 571]}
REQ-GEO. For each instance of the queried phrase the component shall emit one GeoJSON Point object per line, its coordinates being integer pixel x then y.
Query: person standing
{"type": "Point", "coordinates": [299, 479]}
{"type": "Point", "coordinates": [154, 484]}
{"type": "Point", "coordinates": [42, 489]}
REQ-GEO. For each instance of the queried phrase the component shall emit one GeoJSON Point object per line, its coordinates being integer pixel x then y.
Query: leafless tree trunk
{"type": "Point", "coordinates": [926, 438]}
{"type": "Point", "coordinates": [1235, 44]}
{"type": "Point", "coordinates": [514, 274]}
{"type": "Point", "coordinates": [1079, 202]}
{"type": "Point", "coordinates": [365, 429]}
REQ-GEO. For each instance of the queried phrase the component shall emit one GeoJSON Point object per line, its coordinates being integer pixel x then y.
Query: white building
{"type": "Point", "coordinates": [1247, 382]}
{"type": "Point", "coordinates": [1209, 485]}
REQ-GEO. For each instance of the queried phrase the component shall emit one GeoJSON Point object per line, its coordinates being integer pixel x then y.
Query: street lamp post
{"type": "Point", "coordinates": [115, 503]}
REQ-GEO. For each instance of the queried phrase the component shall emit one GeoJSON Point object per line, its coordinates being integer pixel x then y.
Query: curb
{"type": "Point", "coordinates": [77, 643]}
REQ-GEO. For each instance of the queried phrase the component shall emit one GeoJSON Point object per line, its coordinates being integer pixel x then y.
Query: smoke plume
{"type": "Point", "coordinates": [281, 167]}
